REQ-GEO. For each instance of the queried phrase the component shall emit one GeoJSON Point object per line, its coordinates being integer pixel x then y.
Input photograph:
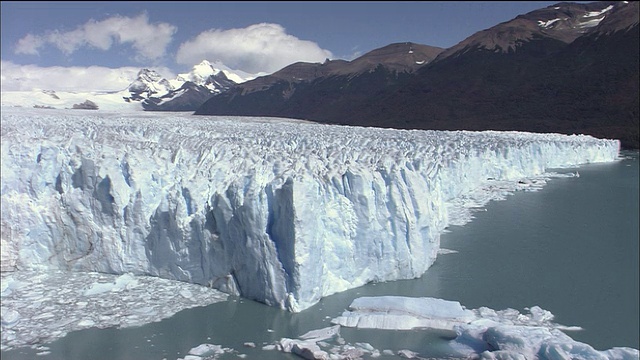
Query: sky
{"type": "Point", "coordinates": [79, 45]}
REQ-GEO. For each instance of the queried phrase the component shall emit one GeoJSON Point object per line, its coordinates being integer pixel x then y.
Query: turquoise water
{"type": "Point", "coordinates": [571, 248]}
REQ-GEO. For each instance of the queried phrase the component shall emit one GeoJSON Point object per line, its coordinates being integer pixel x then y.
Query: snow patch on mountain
{"type": "Point", "coordinates": [201, 72]}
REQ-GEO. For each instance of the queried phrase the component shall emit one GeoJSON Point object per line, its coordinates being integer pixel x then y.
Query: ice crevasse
{"type": "Point", "coordinates": [274, 210]}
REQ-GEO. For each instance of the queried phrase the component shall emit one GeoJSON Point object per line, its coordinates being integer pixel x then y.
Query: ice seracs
{"type": "Point", "coordinates": [275, 210]}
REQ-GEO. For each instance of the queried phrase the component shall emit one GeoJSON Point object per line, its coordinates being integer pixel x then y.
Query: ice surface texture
{"type": "Point", "coordinates": [272, 209]}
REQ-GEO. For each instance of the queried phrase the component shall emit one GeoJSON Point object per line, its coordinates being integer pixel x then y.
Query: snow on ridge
{"type": "Point", "coordinates": [546, 24]}
{"type": "Point", "coordinates": [591, 22]}
{"type": "Point", "coordinates": [272, 209]}
{"type": "Point", "coordinates": [201, 72]}
{"type": "Point", "coordinates": [598, 13]}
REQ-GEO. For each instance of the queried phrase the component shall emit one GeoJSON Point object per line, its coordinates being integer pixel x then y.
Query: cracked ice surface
{"type": "Point", "coordinates": [39, 307]}
{"type": "Point", "coordinates": [271, 209]}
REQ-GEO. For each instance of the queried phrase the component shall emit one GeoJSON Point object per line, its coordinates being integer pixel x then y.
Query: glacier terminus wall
{"type": "Point", "coordinates": [275, 210]}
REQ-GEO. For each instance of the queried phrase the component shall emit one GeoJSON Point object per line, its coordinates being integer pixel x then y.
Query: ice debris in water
{"type": "Point", "coordinates": [481, 333]}
{"type": "Point", "coordinates": [39, 307]}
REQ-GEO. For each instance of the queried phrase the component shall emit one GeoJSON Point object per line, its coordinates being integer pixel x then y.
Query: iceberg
{"type": "Point", "coordinates": [280, 211]}
{"type": "Point", "coordinates": [477, 333]}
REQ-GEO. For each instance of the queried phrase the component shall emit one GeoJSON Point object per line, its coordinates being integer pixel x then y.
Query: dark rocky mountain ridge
{"type": "Point", "coordinates": [190, 95]}
{"type": "Point", "coordinates": [568, 68]}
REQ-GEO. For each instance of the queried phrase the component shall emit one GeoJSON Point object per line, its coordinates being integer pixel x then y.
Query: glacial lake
{"type": "Point", "coordinates": [570, 248]}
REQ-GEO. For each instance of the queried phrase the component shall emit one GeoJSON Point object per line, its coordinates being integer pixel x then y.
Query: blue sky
{"type": "Point", "coordinates": [249, 36]}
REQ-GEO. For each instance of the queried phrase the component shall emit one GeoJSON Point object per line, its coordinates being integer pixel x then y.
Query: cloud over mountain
{"type": "Point", "coordinates": [93, 78]}
{"type": "Point", "coordinates": [148, 40]}
{"type": "Point", "coordinates": [263, 47]}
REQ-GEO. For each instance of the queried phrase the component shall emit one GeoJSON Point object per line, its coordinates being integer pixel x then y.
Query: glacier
{"type": "Point", "coordinates": [280, 211]}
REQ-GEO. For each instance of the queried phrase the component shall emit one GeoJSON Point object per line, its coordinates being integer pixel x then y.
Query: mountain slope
{"type": "Point", "coordinates": [299, 89]}
{"type": "Point", "coordinates": [569, 68]}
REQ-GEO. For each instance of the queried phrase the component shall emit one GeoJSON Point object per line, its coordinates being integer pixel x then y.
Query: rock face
{"type": "Point", "coordinates": [189, 96]}
{"type": "Point", "coordinates": [277, 211]}
{"type": "Point", "coordinates": [568, 68]}
{"type": "Point", "coordinates": [87, 105]}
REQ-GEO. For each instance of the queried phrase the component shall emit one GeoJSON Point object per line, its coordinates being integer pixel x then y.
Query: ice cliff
{"type": "Point", "coordinates": [275, 210]}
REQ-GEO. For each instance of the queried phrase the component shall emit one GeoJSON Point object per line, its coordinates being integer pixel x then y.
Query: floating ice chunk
{"type": "Point", "coordinates": [9, 284]}
{"type": "Point", "coordinates": [404, 313]}
{"type": "Point", "coordinates": [86, 323]}
{"type": "Point", "coordinates": [186, 294]}
{"type": "Point", "coordinates": [98, 288]}
{"type": "Point", "coordinates": [307, 349]}
{"type": "Point", "coordinates": [482, 332]}
{"type": "Point", "coordinates": [191, 357]}
{"type": "Point", "coordinates": [533, 342]}
{"type": "Point", "coordinates": [9, 317]}
{"type": "Point", "coordinates": [206, 350]}
{"type": "Point", "coordinates": [408, 354]}
{"type": "Point", "coordinates": [125, 281]}
{"type": "Point", "coordinates": [443, 251]}
{"type": "Point", "coordinates": [321, 334]}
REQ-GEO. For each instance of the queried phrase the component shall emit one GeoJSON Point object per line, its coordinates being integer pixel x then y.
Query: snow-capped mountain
{"type": "Point", "coordinates": [149, 84]}
{"type": "Point", "coordinates": [564, 22]}
{"type": "Point", "coordinates": [567, 68]}
{"type": "Point", "coordinates": [148, 90]}
{"type": "Point", "coordinates": [187, 91]}
{"type": "Point", "coordinates": [202, 73]}
{"type": "Point", "coordinates": [275, 210]}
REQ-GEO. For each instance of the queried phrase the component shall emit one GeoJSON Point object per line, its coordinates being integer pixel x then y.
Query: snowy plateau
{"type": "Point", "coordinates": [274, 210]}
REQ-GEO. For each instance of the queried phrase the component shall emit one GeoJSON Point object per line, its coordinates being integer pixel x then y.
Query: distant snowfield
{"type": "Point", "coordinates": [275, 210]}
{"type": "Point", "coordinates": [110, 101]}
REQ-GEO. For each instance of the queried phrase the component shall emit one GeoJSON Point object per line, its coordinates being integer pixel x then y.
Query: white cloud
{"type": "Point", "coordinates": [257, 48]}
{"type": "Point", "coordinates": [149, 40]}
{"type": "Point", "coordinates": [93, 78]}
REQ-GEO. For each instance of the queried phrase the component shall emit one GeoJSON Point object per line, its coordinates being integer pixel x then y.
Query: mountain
{"type": "Point", "coordinates": [302, 89]}
{"type": "Point", "coordinates": [568, 68]}
{"type": "Point", "coordinates": [147, 91]}
{"type": "Point", "coordinates": [187, 91]}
